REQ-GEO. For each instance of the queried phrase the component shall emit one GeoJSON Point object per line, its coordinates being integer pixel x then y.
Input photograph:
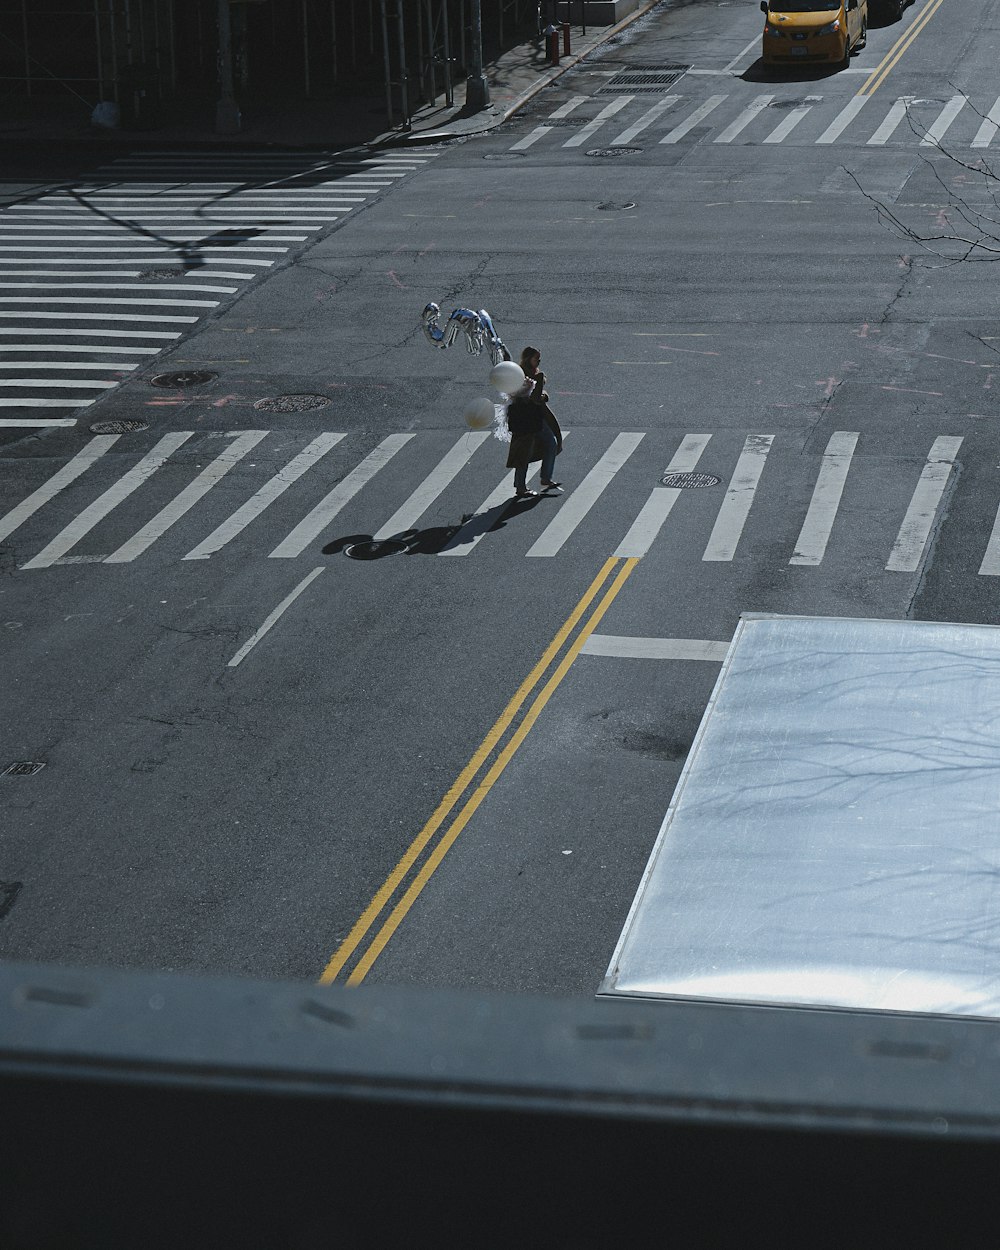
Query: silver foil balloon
{"type": "Point", "coordinates": [477, 327]}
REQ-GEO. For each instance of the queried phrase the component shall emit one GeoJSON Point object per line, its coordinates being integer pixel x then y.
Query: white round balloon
{"type": "Point", "coordinates": [479, 414]}
{"type": "Point", "coordinates": [507, 377]}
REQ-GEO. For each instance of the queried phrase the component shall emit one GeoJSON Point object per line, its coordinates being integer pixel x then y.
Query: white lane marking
{"type": "Point", "coordinates": [30, 315]}
{"type": "Point", "coordinates": [88, 333]}
{"type": "Point", "coordinates": [940, 128]}
{"type": "Point", "coordinates": [728, 528]}
{"type": "Point", "coordinates": [699, 115]}
{"type": "Point", "coordinates": [822, 511]}
{"type": "Point", "coordinates": [532, 137]}
{"type": "Point", "coordinates": [990, 566]}
{"type": "Point", "coordinates": [143, 249]}
{"type": "Point", "coordinates": [265, 496]}
{"type": "Point", "coordinates": [892, 120]}
{"type": "Point", "coordinates": [69, 472]}
{"type": "Point", "coordinates": [579, 502]}
{"type": "Point", "coordinates": [657, 508]}
{"type": "Point", "coordinates": [645, 120]}
{"type": "Point", "coordinates": [843, 119]}
{"type": "Point", "coordinates": [95, 348]}
{"type": "Point", "coordinates": [106, 365]}
{"type": "Point", "coordinates": [82, 524]}
{"type": "Point", "coordinates": [24, 423]}
{"type": "Point", "coordinates": [282, 607]}
{"type": "Point", "coordinates": [100, 299]}
{"type": "Point", "coordinates": [113, 260]}
{"type": "Point", "coordinates": [623, 648]}
{"type": "Point", "coordinates": [313, 524]}
{"type": "Point", "coordinates": [105, 286]}
{"type": "Point", "coordinates": [785, 128]}
{"type": "Point", "coordinates": [754, 43]}
{"type": "Point", "coordinates": [21, 402]}
{"type": "Point", "coordinates": [572, 103]}
{"type": "Point", "coordinates": [182, 503]}
{"type": "Point", "coordinates": [916, 528]}
{"type": "Point", "coordinates": [406, 517]}
{"type": "Point", "coordinates": [592, 127]}
{"type": "Point", "coordinates": [744, 119]}
{"type": "Point", "coordinates": [87, 384]}
{"type": "Point", "coordinates": [991, 122]}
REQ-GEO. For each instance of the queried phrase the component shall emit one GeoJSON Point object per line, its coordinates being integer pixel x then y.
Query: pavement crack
{"type": "Point", "coordinates": [907, 263]}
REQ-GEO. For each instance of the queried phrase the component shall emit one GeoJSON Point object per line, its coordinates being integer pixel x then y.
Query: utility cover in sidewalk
{"type": "Point", "coordinates": [186, 377]}
{"type": "Point", "coordinates": [291, 403]}
{"type": "Point", "coordinates": [645, 78]}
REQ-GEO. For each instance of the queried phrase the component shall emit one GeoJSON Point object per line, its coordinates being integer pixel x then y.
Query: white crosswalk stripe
{"type": "Point", "coordinates": [149, 211]}
{"type": "Point", "coordinates": [137, 506]}
{"type": "Point", "coordinates": [808, 119]}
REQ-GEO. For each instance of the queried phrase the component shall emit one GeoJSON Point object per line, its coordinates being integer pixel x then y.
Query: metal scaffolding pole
{"type": "Point", "coordinates": [227, 112]}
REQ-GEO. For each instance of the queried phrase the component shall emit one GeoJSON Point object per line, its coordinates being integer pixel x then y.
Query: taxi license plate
{"type": "Point", "coordinates": [800, 51]}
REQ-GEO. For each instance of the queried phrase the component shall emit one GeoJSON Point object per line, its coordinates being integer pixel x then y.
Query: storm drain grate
{"type": "Point", "coordinates": [291, 403]}
{"type": "Point", "coordinates": [127, 426]}
{"type": "Point", "coordinates": [24, 768]}
{"type": "Point", "coordinates": [644, 78]}
{"type": "Point", "coordinates": [186, 377]}
{"type": "Point", "coordinates": [689, 481]}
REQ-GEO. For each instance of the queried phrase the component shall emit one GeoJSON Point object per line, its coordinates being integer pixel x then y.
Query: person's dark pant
{"type": "Point", "coordinates": [548, 460]}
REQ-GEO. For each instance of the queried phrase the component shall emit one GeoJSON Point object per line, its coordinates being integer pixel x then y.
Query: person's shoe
{"type": "Point", "coordinates": [526, 494]}
{"type": "Point", "coordinates": [557, 486]}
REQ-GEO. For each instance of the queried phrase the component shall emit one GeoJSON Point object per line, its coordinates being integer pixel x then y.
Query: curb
{"type": "Point", "coordinates": [416, 138]}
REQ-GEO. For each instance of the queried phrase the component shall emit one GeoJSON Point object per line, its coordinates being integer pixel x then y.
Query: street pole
{"type": "Point", "coordinates": [227, 111]}
{"type": "Point", "coordinates": [477, 89]}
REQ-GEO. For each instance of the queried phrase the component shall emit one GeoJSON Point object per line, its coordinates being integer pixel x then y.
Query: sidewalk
{"type": "Point", "coordinates": [356, 121]}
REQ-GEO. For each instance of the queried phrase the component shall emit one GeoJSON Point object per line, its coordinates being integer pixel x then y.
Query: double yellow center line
{"type": "Point", "coordinates": [363, 945]}
{"type": "Point", "coordinates": [895, 53]}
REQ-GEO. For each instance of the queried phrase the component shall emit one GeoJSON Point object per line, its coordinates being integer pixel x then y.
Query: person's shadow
{"type": "Point", "coordinates": [432, 541]}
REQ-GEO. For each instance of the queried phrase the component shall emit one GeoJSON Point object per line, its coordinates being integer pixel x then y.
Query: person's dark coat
{"type": "Point", "coordinates": [525, 418]}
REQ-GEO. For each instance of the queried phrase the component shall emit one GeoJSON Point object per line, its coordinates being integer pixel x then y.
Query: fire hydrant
{"type": "Point", "coordinates": [552, 44]}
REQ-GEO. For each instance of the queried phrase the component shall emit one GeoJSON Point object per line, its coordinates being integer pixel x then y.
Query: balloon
{"type": "Point", "coordinates": [477, 327]}
{"type": "Point", "coordinates": [507, 377]}
{"type": "Point", "coordinates": [479, 414]}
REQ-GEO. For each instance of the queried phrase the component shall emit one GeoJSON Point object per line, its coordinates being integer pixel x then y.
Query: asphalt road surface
{"type": "Point", "coordinates": [445, 762]}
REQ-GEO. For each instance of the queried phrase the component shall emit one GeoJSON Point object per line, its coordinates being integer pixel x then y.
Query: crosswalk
{"type": "Point", "coordinates": [98, 277]}
{"type": "Point", "coordinates": [872, 121]}
{"type": "Point", "coordinates": [289, 495]}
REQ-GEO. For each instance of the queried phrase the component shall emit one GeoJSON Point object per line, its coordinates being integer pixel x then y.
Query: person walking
{"type": "Point", "coordinates": [535, 432]}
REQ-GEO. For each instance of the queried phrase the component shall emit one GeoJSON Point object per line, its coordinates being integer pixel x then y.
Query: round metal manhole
{"type": "Point", "coordinates": [291, 403]}
{"type": "Point", "coordinates": [501, 156]}
{"type": "Point", "coordinates": [160, 275]}
{"type": "Point", "coordinates": [689, 481]}
{"type": "Point", "coordinates": [186, 377]}
{"type": "Point", "coordinates": [375, 549]}
{"type": "Point", "coordinates": [612, 207]}
{"type": "Point", "coordinates": [613, 151]}
{"type": "Point", "coordinates": [118, 427]}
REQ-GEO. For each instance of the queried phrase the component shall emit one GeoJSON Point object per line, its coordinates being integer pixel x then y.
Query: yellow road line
{"type": "Point", "coordinates": [462, 782]}
{"type": "Point", "coordinates": [881, 71]}
{"type": "Point", "coordinates": [378, 943]}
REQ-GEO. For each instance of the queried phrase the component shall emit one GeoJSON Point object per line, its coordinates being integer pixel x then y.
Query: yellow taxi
{"type": "Point", "coordinates": [807, 31]}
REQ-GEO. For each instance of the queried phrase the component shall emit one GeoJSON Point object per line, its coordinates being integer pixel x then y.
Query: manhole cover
{"type": "Point", "coordinates": [160, 275]}
{"type": "Point", "coordinates": [611, 207]}
{"type": "Point", "coordinates": [689, 481]}
{"type": "Point", "coordinates": [645, 78]}
{"type": "Point", "coordinates": [501, 156]}
{"type": "Point", "coordinates": [186, 377]}
{"type": "Point", "coordinates": [23, 768]}
{"type": "Point", "coordinates": [291, 403]}
{"type": "Point", "coordinates": [613, 151]}
{"type": "Point", "coordinates": [375, 549]}
{"type": "Point", "coordinates": [118, 427]}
